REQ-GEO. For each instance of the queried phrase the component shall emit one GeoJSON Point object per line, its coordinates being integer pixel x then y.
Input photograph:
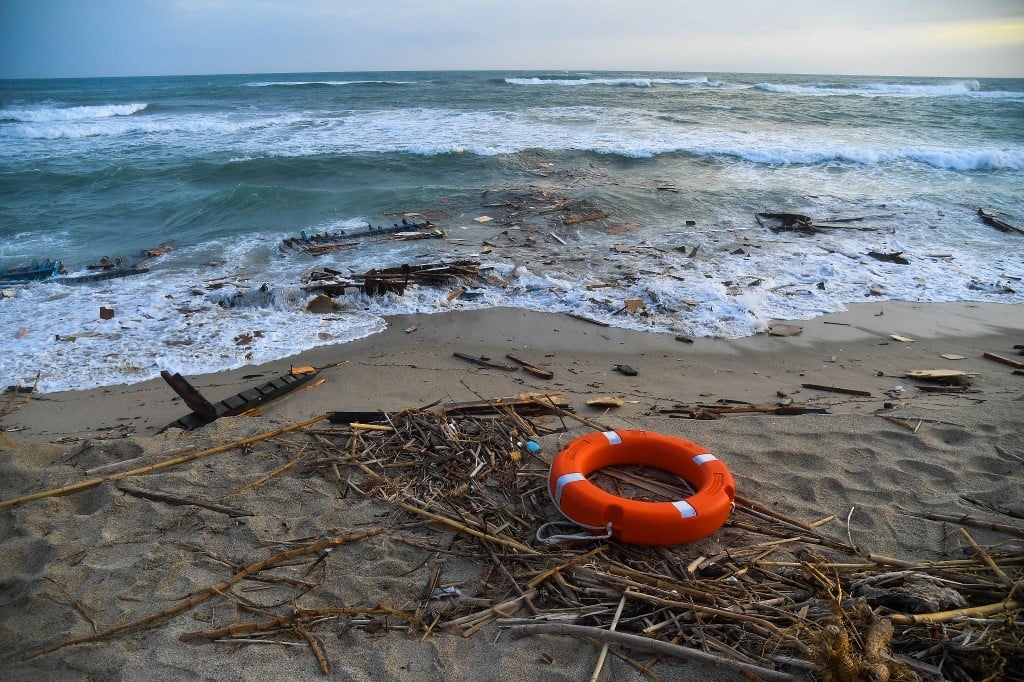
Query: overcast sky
{"type": "Point", "coordinates": [59, 38]}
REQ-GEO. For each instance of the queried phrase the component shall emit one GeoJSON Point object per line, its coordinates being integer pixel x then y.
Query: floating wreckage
{"type": "Point", "coordinates": [32, 272]}
{"type": "Point", "coordinates": [391, 280]}
{"type": "Point", "coordinates": [326, 242]}
{"type": "Point", "coordinates": [782, 221]}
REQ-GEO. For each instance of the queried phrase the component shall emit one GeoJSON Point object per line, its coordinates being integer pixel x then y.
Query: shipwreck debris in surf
{"type": "Point", "coordinates": [894, 257]}
{"type": "Point", "coordinates": [325, 242]}
{"type": "Point", "coordinates": [784, 221]}
{"type": "Point", "coordinates": [392, 279]}
{"type": "Point", "coordinates": [995, 222]}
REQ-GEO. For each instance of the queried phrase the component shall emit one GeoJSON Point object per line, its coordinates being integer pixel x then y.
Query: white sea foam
{"type": "Point", "coordinates": [162, 321]}
{"type": "Point", "coordinates": [270, 84]}
{"type": "Point", "coordinates": [636, 133]}
{"type": "Point", "coordinates": [250, 309]}
{"type": "Point", "coordinates": [638, 82]}
{"type": "Point", "coordinates": [958, 88]}
{"type": "Point", "coordinates": [55, 113]}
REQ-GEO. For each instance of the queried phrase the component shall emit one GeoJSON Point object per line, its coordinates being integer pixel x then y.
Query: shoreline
{"type": "Point", "coordinates": [842, 349]}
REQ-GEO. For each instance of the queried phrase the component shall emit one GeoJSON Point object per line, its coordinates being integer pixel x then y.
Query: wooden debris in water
{"type": "Point", "coordinates": [392, 279]}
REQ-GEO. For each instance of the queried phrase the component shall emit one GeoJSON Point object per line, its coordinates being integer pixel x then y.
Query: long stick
{"type": "Point", "coordinates": [93, 482]}
{"type": "Point", "coordinates": [649, 645]}
{"type": "Point", "coordinates": [946, 616]}
{"type": "Point", "coordinates": [508, 542]}
{"type": "Point", "coordinates": [239, 630]}
{"type": "Point", "coordinates": [210, 591]}
{"type": "Point", "coordinates": [604, 648]}
{"type": "Point", "coordinates": [986, 558]}
{"type": "Point", "coordinates": [166, 498]}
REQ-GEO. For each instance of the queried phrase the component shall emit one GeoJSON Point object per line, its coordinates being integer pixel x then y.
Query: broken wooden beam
{"type": "Point", "coordinates": [593, 216]}
{"type": "Point", "coordinates": [1006, 361]}
{"type": "Point", "coordinates": [531, 367]}
{"type": "Point", "coordinates": [1000, 225]}
{"type": "Point", "coordinates": [695, 410]}
{"type": "Point", "coordinates": [356, 416]}
{"type": "Point", "coordinates": [946, 376]}
{"type": "Point", "coordinates": [244, 401]}
{"type": "Point", "coordinates": [157, 496]}
{"type": "Point", "coordinates": [837, 389]}
{"type": "Point", "coordinates": [192, 397]}
{"type": "Point", "coordinates": [484, 361]}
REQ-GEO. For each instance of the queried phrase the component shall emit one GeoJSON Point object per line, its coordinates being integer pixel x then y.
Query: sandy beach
{"type": "Point", "coordinates": [78, 564]}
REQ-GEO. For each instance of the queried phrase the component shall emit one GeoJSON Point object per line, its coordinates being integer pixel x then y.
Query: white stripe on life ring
{"type": "Point", "coordinates": [706, 457]}
{"type": "Point", "coordinates": [613, 438]}
{"type": "Point", "coordinates": [564, 480]}
{"type": "Point", "coordinates": [685, 510]}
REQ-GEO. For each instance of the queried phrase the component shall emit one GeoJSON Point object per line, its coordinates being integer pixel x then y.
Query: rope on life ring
{"type": "Point", "coordinates": [635, 522]}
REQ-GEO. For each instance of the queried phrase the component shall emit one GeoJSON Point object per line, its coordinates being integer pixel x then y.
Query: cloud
{"type": "Point", "coordinates": [154, 37]}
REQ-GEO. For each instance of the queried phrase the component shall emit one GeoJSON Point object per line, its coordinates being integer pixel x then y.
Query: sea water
{"type": "Point", "coordinates": [223, 168]}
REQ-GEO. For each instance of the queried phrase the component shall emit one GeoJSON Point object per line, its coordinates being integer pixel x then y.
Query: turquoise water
{"type": "Point", "coordinates": [224, 167]}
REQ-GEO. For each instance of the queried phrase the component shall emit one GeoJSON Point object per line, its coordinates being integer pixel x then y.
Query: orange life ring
{"type": "Point", "coordinates": [642, 523]}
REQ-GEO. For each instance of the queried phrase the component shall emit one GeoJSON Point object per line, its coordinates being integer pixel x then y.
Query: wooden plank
{"type": "Point", "coordinates": [233, 402]}
{"type": "Point", "coordinates": [157, 496]}
{"type": "Point", "coordinates": [593, 216]}
{"type": "Point", "coordinates": [1005, 361]}
{"type": "Point", "coordinates": [992, 221]}
{"type": "Point", "coordinates": [530, 367]}
{"type": "Point", "coordinates": [484, 361]}
{"type": "Point", "coordinates": [837, 389]}
{"type": "Point", "coordinates": [955, 376]}
{"type": "Point", "coordinates": [193, 398]}
{"type": "Point", "coordinates": [244, 401]}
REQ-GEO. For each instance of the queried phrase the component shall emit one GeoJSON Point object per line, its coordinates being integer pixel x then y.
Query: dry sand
{"type": "Point", "coordinates": [119, 558]}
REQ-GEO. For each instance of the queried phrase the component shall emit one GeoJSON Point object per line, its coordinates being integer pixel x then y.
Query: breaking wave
{"type": "Point", "coordinates": [951, 89]}
{"type": "Point", "coordinates": [633, 82]}
{"type": "Point", "coordinates": [50, 114]}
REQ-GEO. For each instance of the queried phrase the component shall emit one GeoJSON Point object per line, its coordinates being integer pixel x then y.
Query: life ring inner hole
{"type": "Point", "coordinates": [641, 483]}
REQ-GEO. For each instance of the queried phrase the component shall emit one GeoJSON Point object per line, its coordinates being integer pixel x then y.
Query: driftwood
{"type": "Point", "coordinates": [531, 367]}
{"type": "Point", "coordinates": [325, 242]}
{"type": "Point", "coordinates": [593, 216]}
{"type": "Point", "coordinates": [158, 496]}
{"type": "Point", "coordinates": [113, 467]}
{"type": "Point", "coordinates": [837, 389]}
{"type": "Point", "coordinates": [205, 412]}
{"type": "Point", "coordinates": [701, 411]}
{"type": "Point", "coordinates": [484, 361]}
{"type": "Point", "coordinates": [395, 279]}
{"type": "Point", "coordinates": [649, 645]}
{"type": "Point", "coordinates": [895, 257]}
{"type": "Point", "coordinates": [1006, 361]}
{"type": "Point", "coordinates": [797, 222]}
{"type": "Point", "coordinates": [1000, 225]}
{"type": "Point", "coordinates": [945, 376]}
